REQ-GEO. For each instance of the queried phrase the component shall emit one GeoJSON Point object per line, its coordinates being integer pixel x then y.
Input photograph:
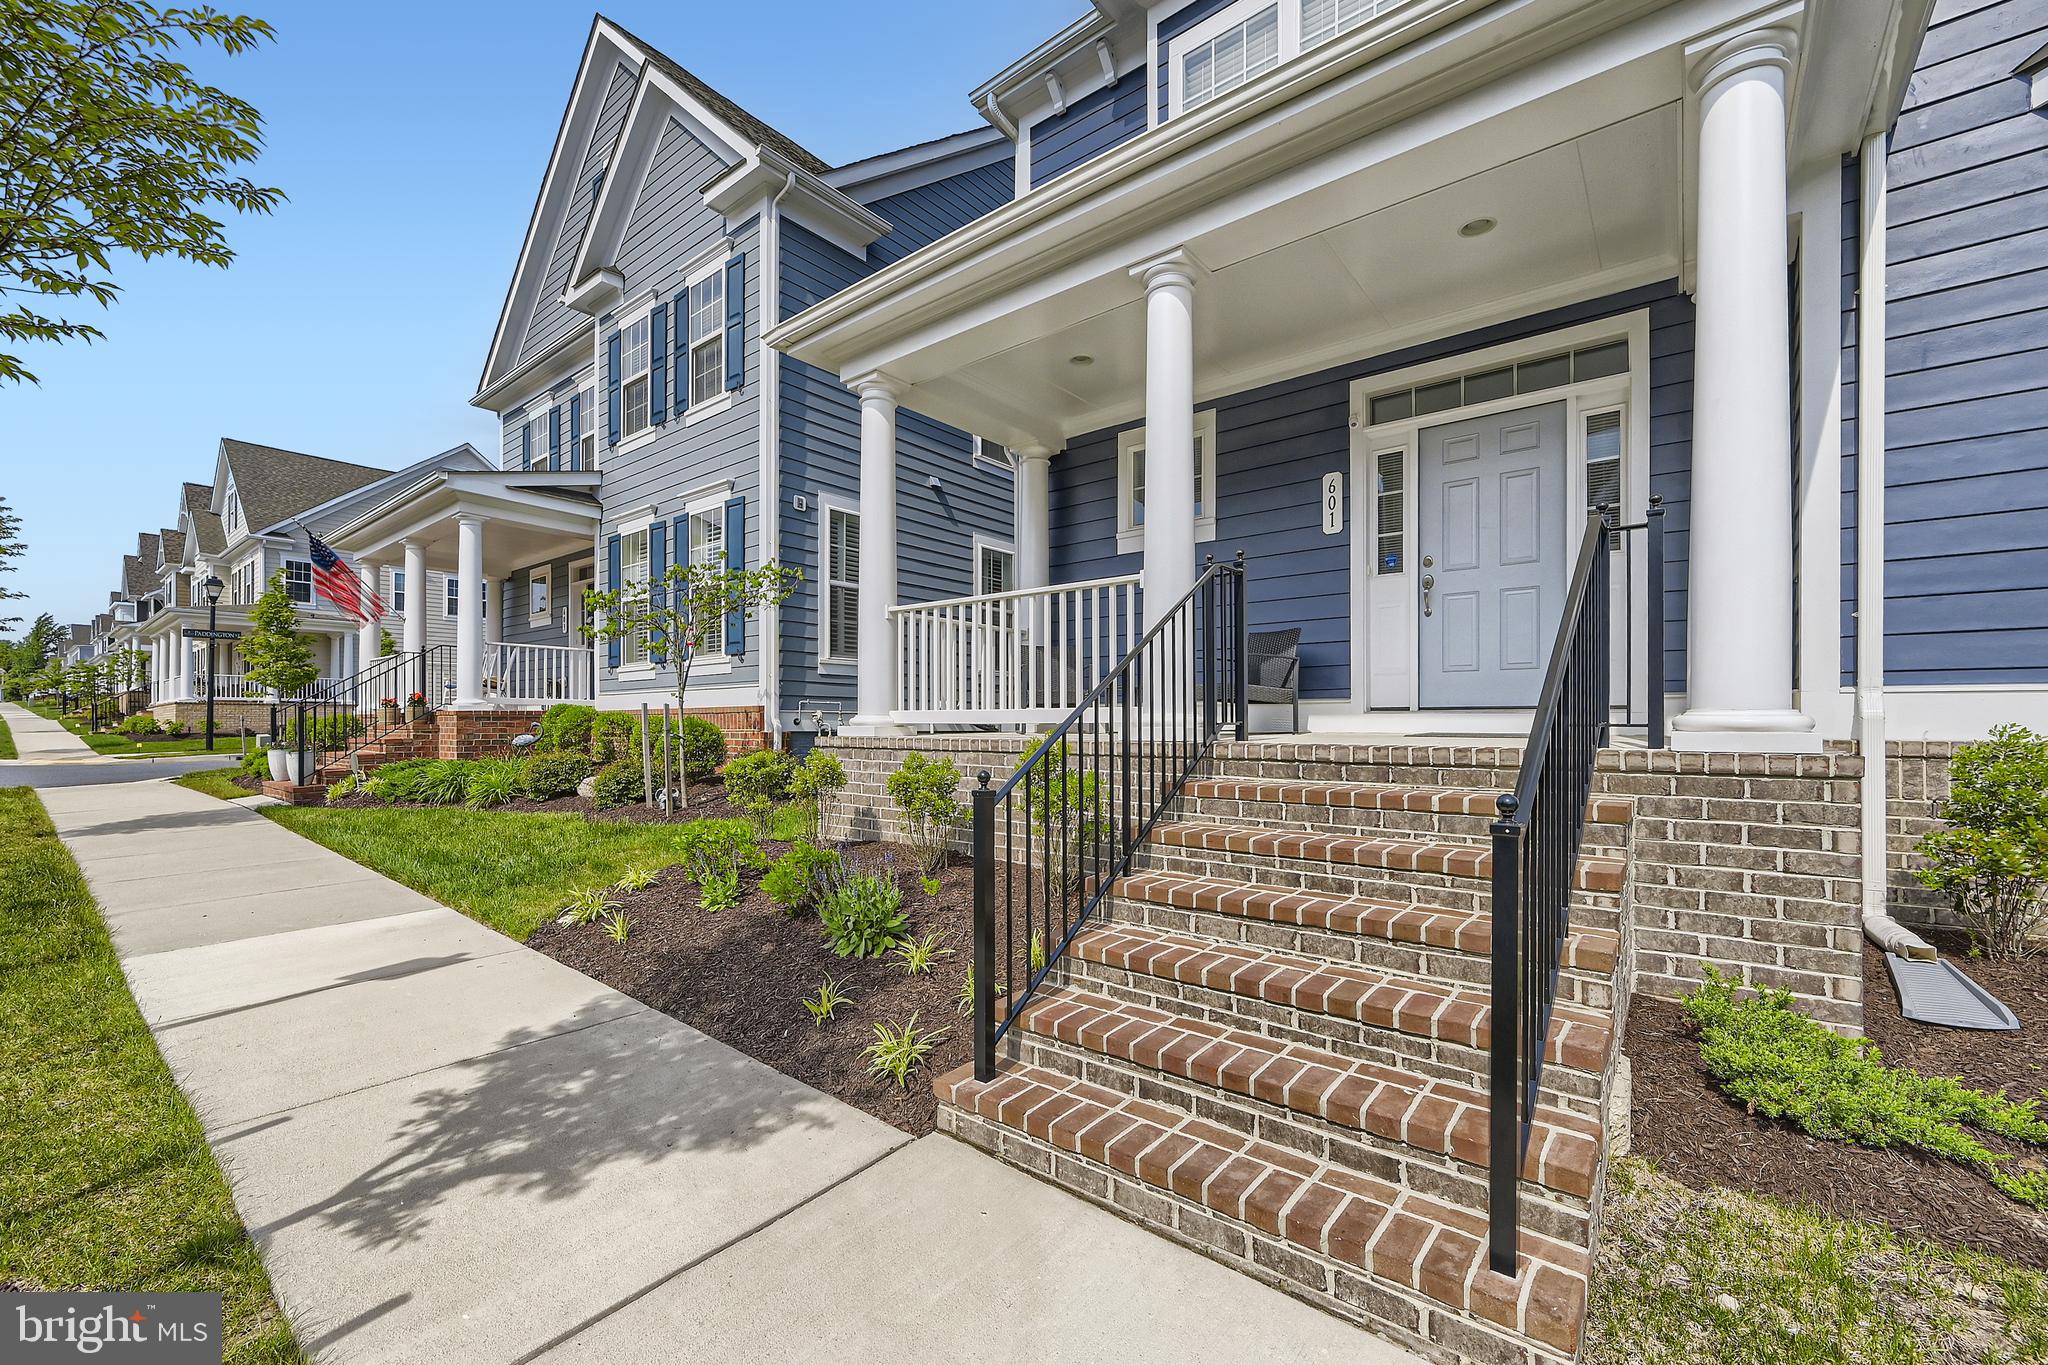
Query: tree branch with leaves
{"type": "Point", "coordinates": [108, 143]}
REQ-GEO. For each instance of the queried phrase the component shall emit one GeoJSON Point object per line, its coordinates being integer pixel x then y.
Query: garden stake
{"type": "Point", "coordinates": [646, 759]}
{"type": "Point", "coordinates": [667, 749]}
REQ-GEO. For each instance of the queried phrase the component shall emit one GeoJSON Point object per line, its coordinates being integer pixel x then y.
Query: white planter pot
{"type": "Point", "coordinates": [277, 757]}
{"type": "Point", "coordinates": [295, 769]}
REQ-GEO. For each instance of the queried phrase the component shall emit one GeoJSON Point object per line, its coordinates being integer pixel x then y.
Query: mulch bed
{"type": "Point", "coordinates": [741, 975]}
{"type": "Point", "coordinates": [706, 802]}
{"type": "Point", "coordinates": [1699, 1136]}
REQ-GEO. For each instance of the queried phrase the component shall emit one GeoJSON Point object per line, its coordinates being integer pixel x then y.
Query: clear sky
{"type": "Point", "coordinates": [411, 139]}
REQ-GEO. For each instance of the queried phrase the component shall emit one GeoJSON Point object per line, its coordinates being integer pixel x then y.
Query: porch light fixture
{"type": "Point", "coordinates": [213, 588]}
{"type": "Point", "coordinates": [1080, 360]}
{"type": "Point", "coordinates": [1478, 227]}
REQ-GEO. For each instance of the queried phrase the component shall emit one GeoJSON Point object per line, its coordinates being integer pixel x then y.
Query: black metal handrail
{"type": "Point", "coordinates": [1050, 843]}
{"type": "Point", "coordinates": [1535, 861]}
{"type": "Point", "coordinates": [1651, 647]}
{"type": "Point", "coordinates": [348, 714]}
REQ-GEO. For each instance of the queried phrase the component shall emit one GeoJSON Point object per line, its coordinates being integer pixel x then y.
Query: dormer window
{"type": "Point", "coordinates": [1244, 41]}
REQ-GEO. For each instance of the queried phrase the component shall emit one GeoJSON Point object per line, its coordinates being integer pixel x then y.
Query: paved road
{"type": "Point", "coordinates": [450, 1147]}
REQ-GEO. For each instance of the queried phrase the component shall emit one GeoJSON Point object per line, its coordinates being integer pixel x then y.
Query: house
{"type": "Point", "coordinates": [645, 424]}
{"type": "Point", "coordinates": [248, 524]}
{"type": "Point", "coordinates": [1675, 356]}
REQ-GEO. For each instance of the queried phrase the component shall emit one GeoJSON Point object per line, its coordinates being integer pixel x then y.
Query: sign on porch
{"type": "Point", "coordinates": [195, 633]}
{"type": "Point", "coordinates": [1333, 503]}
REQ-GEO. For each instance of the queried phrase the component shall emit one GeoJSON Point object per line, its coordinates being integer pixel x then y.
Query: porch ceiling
{"type": "Point", "coordinates": [528, 518]}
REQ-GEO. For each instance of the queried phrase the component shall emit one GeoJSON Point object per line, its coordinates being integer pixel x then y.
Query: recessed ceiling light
{"type": "Point", "coordinates": [1478, 227]}
{"type": "Point", "coordinates": [1080, 360]}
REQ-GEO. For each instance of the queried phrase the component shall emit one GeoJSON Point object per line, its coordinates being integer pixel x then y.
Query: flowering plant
{"type": "Point", "coordinates": [418, 699]}
{"type": "Point", "coordinates": [388, 701]}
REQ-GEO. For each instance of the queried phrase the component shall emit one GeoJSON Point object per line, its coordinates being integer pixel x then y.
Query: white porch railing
{"type": "Point", "coordinates": [1011, 658]}
{"type": "Point", "coordinates": [241, 687]}
{"type": "Point", "coordinates": [538, 673]}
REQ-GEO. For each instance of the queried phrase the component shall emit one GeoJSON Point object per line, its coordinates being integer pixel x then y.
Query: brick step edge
{"type": "Point", "coordinates": [1424, 926]}
{"type": "Point", "coordinates": [1600, 810]}
{"type": "Point", "coordinates": [1395, 1235]}
{"type": "Point", "coordinates": [1579, 1037]}
{"type": "Point", "coordinates": [1426, 1113]}
{"type": "Point", "coordinates": [1389, 852]}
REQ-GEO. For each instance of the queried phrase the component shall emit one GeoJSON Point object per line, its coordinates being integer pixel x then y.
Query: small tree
{"type": "Point", "coordinates": [11, 550]}
{"type": "Point", "coordinates": [686, 609]}
{"type": "Point", "coordinates": [1992, 859]}
{"type": "Point", "coordinates": [924, 791]}
{"type": "Point", "coordinates": [278, 656]}
{"type": "Point", "coordinates": [126, 670]}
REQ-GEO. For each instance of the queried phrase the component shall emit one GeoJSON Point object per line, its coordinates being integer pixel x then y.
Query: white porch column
{"type": "Point", "coordinates": [1739, 656]}
{"type": "Point", "coordinates": [875, 688]}
{"type": "Point", "coordinates": [368, 641]}
{"type": "Point", "coordinates": [415, 597]}
{"type": "Point", "coordinates": [1169, 430]}
{"type": "Point", "coordinates": [469, 618]}
{"type": "Point", "coordinates": [188, 687]}
{"type": "Point", "coordinates": [1032, 517]}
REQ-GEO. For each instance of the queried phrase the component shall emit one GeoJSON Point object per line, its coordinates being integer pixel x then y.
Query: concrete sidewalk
{"type": "Point", "coordinates": [37, 740]}
{"type": "Point", "coordinates": [449, 1147]}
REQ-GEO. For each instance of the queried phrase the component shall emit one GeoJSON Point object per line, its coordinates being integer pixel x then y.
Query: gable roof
{"type": "Point", "coordinates": [275, 484]}
{"type": "Point", "coordinates": [136, 578]}
{"type": "Point", "coordinates": [753, 129]}
{"type": "Point", "coordinates": [173, 547]}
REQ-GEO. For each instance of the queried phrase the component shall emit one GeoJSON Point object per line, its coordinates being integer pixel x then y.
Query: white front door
{"type": "Point", "coordinates": [1492, 574]}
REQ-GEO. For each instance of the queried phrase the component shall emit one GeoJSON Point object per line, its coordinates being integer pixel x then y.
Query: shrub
{"type": "Point", "coordinates": [620, 784]}
{"type": "Point", "coordinates": [801, 878]}
{"type": "Point", "coordinates": [396, 782]}
{"type": "Point", "coordinates": [1785, 1066]}
{"type": "Point", "coordinates": [719, 848]}
{"type": "Point", "coordinates": [443, 782]}
{"type": "Point", "coordinates": [923, 791]}
{"type": "Point", "coordinates": [814, 783]}
{"type": "Point", "coordinates": [863, 915]}
{"type": "Point", "coordinates": [326, 732]}
{"type": "Point", "coordinates": [755, 782]}
{"type": "Point", "coordinates": [256, 763]}
{"type": "Point", "coordinates": [720, 890]}
{"type": "Point", "coordinates": [549, 775]}
{"type": "Point", "coordinates": [1992, 859]}
{"type": "Point", "coordinates": [344, 789]}
{"type": "Point", "coordinates": [493, 782]}
{"type": "Point", "coordinates": [703, 748]}
{"type": "Point", "coordinates": [614, 735]}
{"type": "Point", "coordinates": [896, 1053]}
{"type": "Point", "coordinates": [139, 724]}
{"type": "Point", "coordinates": [178, 728]}
{"type": "Point", "coordinates": [566, 727]}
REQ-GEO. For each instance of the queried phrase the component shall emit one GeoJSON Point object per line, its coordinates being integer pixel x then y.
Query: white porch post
{"type": "Point", "coordinates": [469, 620]}
{"type": "Point", "coordinates": [875, 688]}
{"type": "Point", "coordinates": [188, 689]}
{"type": "Point", "coordinates": [415, 597]}
{"type": "Point", "coordinates": [1739, 658]}
{"type": "Point", "coordinates": [1169, 430]}
{"type": "Point", "coordinates": [1032, 517]}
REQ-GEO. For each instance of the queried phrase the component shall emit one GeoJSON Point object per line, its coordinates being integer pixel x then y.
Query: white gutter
{"type": "Point", "coordinates": [771, 455]}
{"type": "Point", "coordinates": [1878, 925]}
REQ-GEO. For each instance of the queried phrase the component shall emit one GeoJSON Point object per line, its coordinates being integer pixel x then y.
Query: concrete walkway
{"type": "Point", "coordinates": [38, 740]}
{"type": "Point", "coordinates": [449, 1147]}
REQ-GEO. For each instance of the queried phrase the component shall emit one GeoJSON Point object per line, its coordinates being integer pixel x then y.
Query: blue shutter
{"type": "Point", "coordinates": [657, 363]}
{"type": "Point", "coordinates": [555, 437]}
{"type": "Point", "coordinates": [657, 589]}
{"type": "Point", "coordinates": [611, 583]}
{"type": "Point", "coordinates": [736, 558]}
{"type": "Point", "coordinates": [575, 429]}
{"type": "Point", "coordinates": [736, 322]}
{"type": "Point", "coordinates": [525, 444]}
{"type": "Point", "coordinates": [611, 386]}
{"type": "Point", "coordinates": [682, 361]}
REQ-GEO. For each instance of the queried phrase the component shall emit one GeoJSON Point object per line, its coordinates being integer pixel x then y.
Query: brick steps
{"type": "Point", "coordinates": [1456, 814]}
{"type": "Point", "coordinates": [1397, 1107]}
{"type": "Point", "coordinates": [1418, 1007]}
{"type": "Point", "coordinates": [1599, 874]}
{"type": "Point", "coordinates": [1318, 1225]}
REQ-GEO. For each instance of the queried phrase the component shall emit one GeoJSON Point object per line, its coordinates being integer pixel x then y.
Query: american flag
{"type": "Point", "coordinates": [338, 583]}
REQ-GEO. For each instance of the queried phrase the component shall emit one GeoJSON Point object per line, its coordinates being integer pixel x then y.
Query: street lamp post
{"type": "Point", "coordinates": [213, 588]}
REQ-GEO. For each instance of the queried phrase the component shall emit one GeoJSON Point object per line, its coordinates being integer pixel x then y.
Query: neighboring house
{"type": "Point", "coordinates": [645, 424]}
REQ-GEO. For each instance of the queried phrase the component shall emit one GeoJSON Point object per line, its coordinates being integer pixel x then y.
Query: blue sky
{"type": "Point", "coordinates": [411, 140]}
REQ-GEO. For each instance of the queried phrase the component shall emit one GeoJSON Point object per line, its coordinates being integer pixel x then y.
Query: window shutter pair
{"type": "Point", "coordinates": [736, 322]}
{"type": "Point", "coordinates": [657, 364]}
{"type": "Point", "coordinates": [555, 437]}
{"type": "Point", "coordinates": [611, 388]}
{"type": "Point", "coordinates": [575, 430]}
{"type": "Point", "coordinates": [657, 587]}
{"type": "Point", "coordinates": [611, 583]}
{"type": "Point", "coordinates": [736, 558]}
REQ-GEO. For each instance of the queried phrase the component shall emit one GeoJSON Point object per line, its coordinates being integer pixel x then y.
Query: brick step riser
{"type": "Point", "coordinates": [1369, 821]}
{"type": "Point", "coordinates": [1553, 1214]}
{"type": "Point", "coordinates": [1470, 895]}
{"type": "Point", "coordinates": [1374, 768]}
{"type": "Point", "coordinates": [1393, 1311]}
{"type": "Point", "coordinates": [1574, 1091]}
{"type": "Point", "coordinates": [1574, 986]}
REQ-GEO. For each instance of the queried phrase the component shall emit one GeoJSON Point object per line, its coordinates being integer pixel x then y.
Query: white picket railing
{"type": "Point", "coordinates": [1011, 658]}
{"type": "Point", "coordinates": [241, 687]}
{"type": "Point", "coordinates": [538, 673]}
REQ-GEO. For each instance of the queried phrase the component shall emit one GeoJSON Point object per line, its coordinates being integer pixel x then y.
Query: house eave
{"type": "Point", "coordinates": [878, 177]}
{"type": "Point", "coordinates": [840, 219]}
{"type": "Point", "coordinates": [573, 345]}
{"type": "Point", "coordinates": [1074, 38]}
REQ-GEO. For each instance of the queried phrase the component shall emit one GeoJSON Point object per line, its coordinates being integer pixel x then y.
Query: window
{"type": "Point", "coordinates": [707, 336]}
{"type": "Point", "coordinates": [245, 582]}
{"type": "Point", "coordinates": [298, 580]}
{"type": "Point", "coordinates": [1603, 466]}
{"type": "Point", "coordinates": [1245, 40]}
{"type": "Point", "coordinates": [1388, 486]}
{"type": "Point", "coordinates": [707, 547]}
{"type": "Point", "coordinates": [537, 438]}
{"type": "Point", "coordinates": [842, 584]}
{"type": "Point", "coordinates": [1530, 376]}
{"type": "Point", "coordinates": [1130, 481]}
{"type": "Point", "coordinates": [585, 454]}
{"type": "Point", "coordinates": [633, 350]}
{"type": "Point", "coordinates": [989, 452]}
{"type": "Point", "coordinates": [539, 603]}
{"type": "Point", "coordinates": [633, 572]}
{"type": "Point", "coordinates": [451, 595]}
{"type": "Point", "coordinates": [398, 590]}
{"type": "Point", "coordinates": [995, 569]}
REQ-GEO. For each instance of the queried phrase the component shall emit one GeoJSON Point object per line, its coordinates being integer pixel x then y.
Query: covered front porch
{"type": "Point", "coordinates": [1395, 350]}
{"type": "Point", "coordinates": [183, 669]}
{"type": "Point", "coordinates": [476, 534]}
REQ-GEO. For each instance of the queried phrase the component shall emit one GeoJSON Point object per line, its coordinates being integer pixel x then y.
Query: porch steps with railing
{"type": "Point", "coordinates": [1271, 1043]}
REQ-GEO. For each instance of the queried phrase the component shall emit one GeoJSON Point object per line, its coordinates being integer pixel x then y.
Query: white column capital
{"type": "Point", "coordinates": [1036, 454]}
{"type": "Point", "coordinates": [876, 387]}
{"type": "Point", "coordinates": [1767, 43]}
{"type": "Point", "coordinates": [470, 520]}
{"type": "Point", "coordinates": [1175, 269]}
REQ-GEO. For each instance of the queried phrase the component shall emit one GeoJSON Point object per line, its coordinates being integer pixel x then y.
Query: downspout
{"type": "Point", "coordinates": [771, 457]}
{"type": "Point", "coordinates": [1878, 925]}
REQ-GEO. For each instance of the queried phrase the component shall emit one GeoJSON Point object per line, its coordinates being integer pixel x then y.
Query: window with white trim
{"type": "Point", "coordinates": [707, 335]}
{"type": "Point", "coordinates": [633, 572]}
{"type": "Point", "coordinates": [1244, 41]}
{"type": "Point", "coordinates": [586, 440]}
{"type": "Point", "coordinates": [539, 597]}
{"type": "Point", "coordinates": [995, 569]}
{"type": "Point", "coordinates": [537, 438]}
{"type": "Point", "coordinates": [451, 595]}
{"type": "Point", "coordinates": [707, 547]}
{"type": "Point", "coordinates": [298, 581]}
{"type": "Point", "coordinates": [633, 378]}
{"type": "Point", "coordinates": [842, 584]}
{"type": "Point", "coordinates": [993, 453]}
{"type": "Point", "coordinates": [1604, 445]}
{"type": "Point", "coordinates": [398, 590]}
{"type": "Point", "coordinates": [1130, 484]}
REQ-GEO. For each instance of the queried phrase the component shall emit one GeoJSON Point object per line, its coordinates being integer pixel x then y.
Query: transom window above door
{"type": "Point", "coordinates": [1503, 381]}
{"type": "Point", "coordinates": [1131, 476]}
{"type": "Point", "coordinates": [1244, 41]}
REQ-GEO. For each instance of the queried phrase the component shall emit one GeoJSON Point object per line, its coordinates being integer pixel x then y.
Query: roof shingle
{"type": "Point", "coordinates": [275, 484]}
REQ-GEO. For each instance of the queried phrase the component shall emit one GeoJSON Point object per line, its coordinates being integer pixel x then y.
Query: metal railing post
{"type": "Point", "coordinates": [984, 798]}
{"type": "Point", "coordinates": [1211, 671]}
{"type": "Point", "coordinates": [1242, 649]}
{"type": "Point", "coordinates": [1504, 1153]}
{"type": "Point", "coordinates": [1653, 571]}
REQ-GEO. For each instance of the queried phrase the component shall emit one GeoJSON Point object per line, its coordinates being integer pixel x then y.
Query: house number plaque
{"type": "Point", "coordinates": [1333, 503]}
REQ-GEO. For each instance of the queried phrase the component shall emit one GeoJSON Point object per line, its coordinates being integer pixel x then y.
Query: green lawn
{"type": "Point", "coordinates": [213, 782]}
{"type": "Point", "coordinates": [117, 745]}
{"type": "Point", "coordinates": [7, 742]}
{"type": "Point", "coordinates": [1685, 1276]}
{"type": "Point", "coordinates": [510, 869]}
{"type": "Point", "coordinates": [108, 1182]}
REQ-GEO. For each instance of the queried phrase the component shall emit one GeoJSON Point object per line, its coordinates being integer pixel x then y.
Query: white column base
{"type": "Point", "coordinates": [870, 727]}
{"type": "Point", "coordinates": [1745, 732]}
